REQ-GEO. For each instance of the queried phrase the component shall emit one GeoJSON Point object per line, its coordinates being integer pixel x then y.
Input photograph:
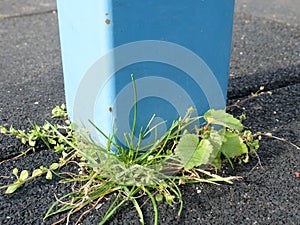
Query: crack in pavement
{"type": "Point", "coordinates": [239, 86]}
{"type": "Point", "coordinates": [3, 17]}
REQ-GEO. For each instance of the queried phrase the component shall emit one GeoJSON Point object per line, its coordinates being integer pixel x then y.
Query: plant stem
{"type": "Point", "coordinates": [154, 205]}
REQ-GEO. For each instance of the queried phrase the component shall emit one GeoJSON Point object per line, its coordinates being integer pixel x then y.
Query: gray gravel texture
{"type": "Point", "coordinates": [265, 52]}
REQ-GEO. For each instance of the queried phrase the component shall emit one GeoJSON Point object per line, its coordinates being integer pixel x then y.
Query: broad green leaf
{"type": "Point", "coordinates": [49, 175]}
{"type": "Point", "coordinates": [37, 172]}
{"type": "Point", "coordinates": [204, 153]}
{"type": "Point", "coordinates": [23, 175]}
{"type": "Point", "coordinates": [233, 145]}
{"type": "Point", "coordinates": [220, 117]}
{"type": "Point", "coordinates": [54, 166]}
{"type": "Point", "coordinates": [191, 152]}
{"type": "Point", "coordinates": [12, 188]}
{"type": "Point", "coordinates": [216, 139]}
{"type": "Point", "coordinates": [186, 148]}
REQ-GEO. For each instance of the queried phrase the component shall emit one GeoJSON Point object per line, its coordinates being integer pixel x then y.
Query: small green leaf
{"type": "Point", "coordinates": [169, 198]}
{"type": "Point", "coordinates": [233, 145]}
{"type": "Point", "coordinates": [12, 188]}
{"type": "Point", "coordinates": [15, 172]}
{"type": "Point", "coordinates": [52, 141]}
{"type": "Point", "coordinates": [159, 197]}
{"type": "Point", "coordinates": [64, 154]}
{"type": "Point", "coordinates": [3, 130]}
{"type": "Point", "coordinates": [59, 111]}
{"type": "Point", "coordinates": [31, 143]}
{"type": "Point", "coordinates": [46, 126]}
{"type": "Point", "coordinates": [11, 130]}
{"type": "Point", "coordinates": [37, 173]}
{"type": "Point", "coordinates": [54, 166]}
{"type": "Point", "coordinates": [23, 140]}
{"type": "Point", "coordinates": [63, 106]}
{"type": "Point", "coordinates": [220, 117]}
{"type": "Point", "coordinates": [43, 168]}
{"type": "Point", "coordinates": [23, 175]}
{"type": "Point", "coordinates": [190, 111]}
{"type": "Point", "coordinates": [49, 175]}
{"type": "Point", "coordinates": [253, 146]}
{"type": "Point", "coordinates": [246, 159]}
{"type": "Point", "coordinates": [58, 147]}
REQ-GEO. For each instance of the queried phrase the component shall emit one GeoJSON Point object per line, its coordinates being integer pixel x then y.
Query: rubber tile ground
{"type": "Point", "coordinates": [264, 53]}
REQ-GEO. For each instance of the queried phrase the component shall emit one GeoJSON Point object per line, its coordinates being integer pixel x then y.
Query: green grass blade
{"type": "Point", "coordinates": [134, 109]}
{"type": "Point", "coordinates": [155, 209]}
{"type": "Point", "coordinates": [50, 210]}
{"type": "Point", "coordinates": [112, 209]}
{"type": "Point", "coordinates": [137, 207]}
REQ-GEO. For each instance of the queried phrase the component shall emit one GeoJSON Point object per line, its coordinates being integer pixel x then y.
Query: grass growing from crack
{"type": "Point", "coordinates": [178, 157]}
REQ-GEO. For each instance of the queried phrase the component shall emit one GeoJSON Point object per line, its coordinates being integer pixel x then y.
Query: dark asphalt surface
{"type": "Point", "coordinates": [266, 51]}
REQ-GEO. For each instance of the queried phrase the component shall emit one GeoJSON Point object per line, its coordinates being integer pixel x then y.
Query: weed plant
{"type": "Point", "coordinates": [178, 157]}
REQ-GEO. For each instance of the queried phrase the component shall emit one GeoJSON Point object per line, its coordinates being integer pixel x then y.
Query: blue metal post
{"type": "Point", "coordinates": [178, 51]}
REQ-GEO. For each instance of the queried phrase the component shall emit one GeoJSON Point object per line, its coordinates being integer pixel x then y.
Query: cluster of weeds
{"type": "Point", "coordinates": [180, 156]}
